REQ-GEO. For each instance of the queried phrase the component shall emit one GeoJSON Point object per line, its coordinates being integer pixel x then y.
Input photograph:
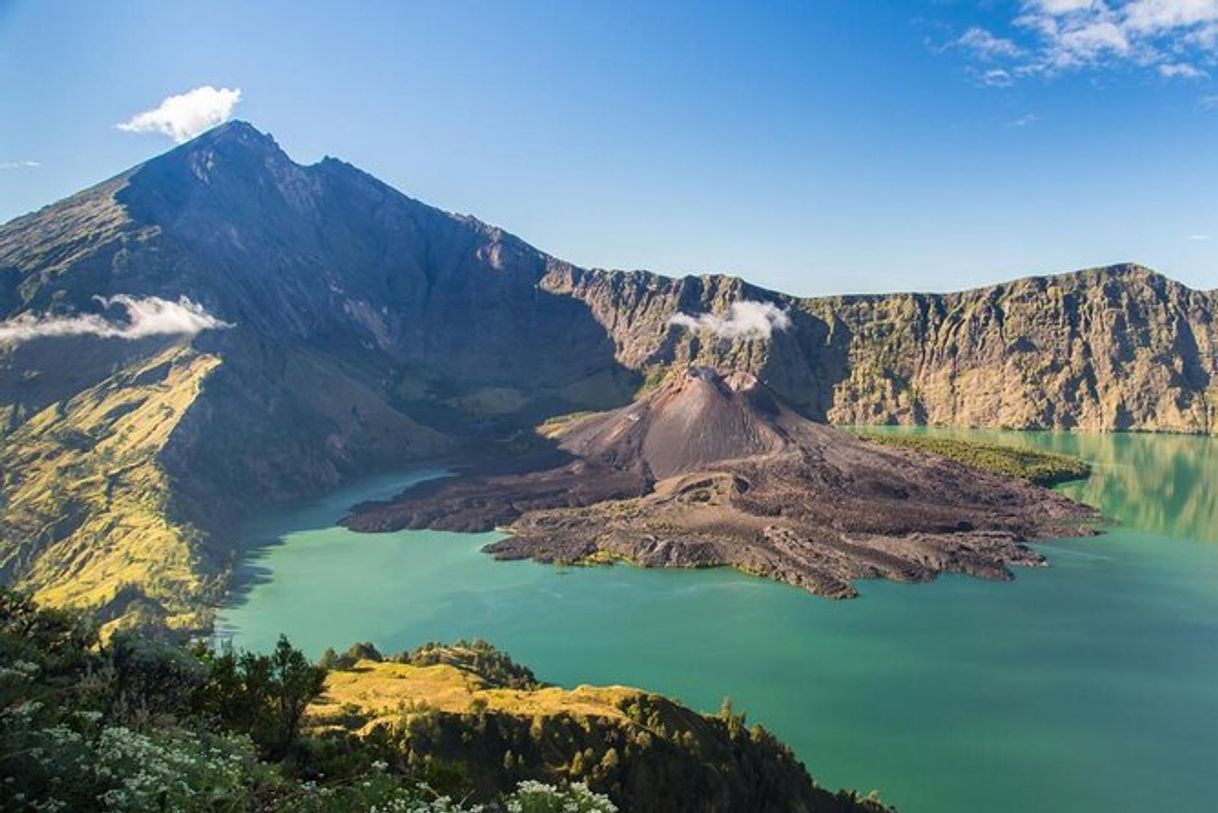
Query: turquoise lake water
{"type": "Point", "coordinates": [1091, 685]}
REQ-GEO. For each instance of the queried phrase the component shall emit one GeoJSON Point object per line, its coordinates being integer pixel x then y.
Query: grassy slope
{"type": "Point", "coordinates": [1042, 468]}
{"type": "Point", "coordinates": [382, 690]}
{"type": "Point", "coordinates": [644, 750]}
{"type": "Point", "coordinates": [86, 514]}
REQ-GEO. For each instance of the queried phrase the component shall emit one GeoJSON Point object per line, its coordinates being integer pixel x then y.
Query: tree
{"type": "Point", "coordinates": [296, 682]}
{"type": "Point", "coordinates": [264, 696]}
{"type": "Point", "coordinates": [329, 659]}
{"type": "Point", "coordinates": [735, 722]}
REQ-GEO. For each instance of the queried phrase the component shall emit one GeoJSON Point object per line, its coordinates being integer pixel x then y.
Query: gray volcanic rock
{"type": "Point", "coordinates": [709, 470]}
{"type": "Point", "coordinates": [697, 418]}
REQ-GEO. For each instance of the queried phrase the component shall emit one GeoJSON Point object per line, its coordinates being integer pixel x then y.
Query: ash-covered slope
{"type": "Point", "coordinates": [713, 470]}
{"type": "Point", "coordinates": [696, 419]}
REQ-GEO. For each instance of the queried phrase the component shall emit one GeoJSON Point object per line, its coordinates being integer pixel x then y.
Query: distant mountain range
{"type": "Point", "coordinates": [220, 328]}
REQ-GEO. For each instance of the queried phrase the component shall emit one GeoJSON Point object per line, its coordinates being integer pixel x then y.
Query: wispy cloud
{"type": "Point", "coordinates": [1025, 120]}
{"type": "Point", "coordinates": [997, 78]}
{"type": "Point", "coordinates": [987, 46]}
{"type": "Point", "coordinates": [141, 317]}
{"type": "Point", "coordinates": [1200, 238]}
{"type": "Point", "coordinates": [1181, 70]}
{"type": "Point", "coordinates": [746, 319]}
{"type": "Point", "coordinates": [184, 116]}
{"type": "Point", "coordinates": [1208, 102]}
{"type": "Point", "coordinates": [19, 164]}
{"type": "Point", "coordinates": [1174, 38]}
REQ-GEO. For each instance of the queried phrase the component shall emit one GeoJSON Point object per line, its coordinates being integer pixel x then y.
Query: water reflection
{"type": "Point", "coordinates": [1158, 483]}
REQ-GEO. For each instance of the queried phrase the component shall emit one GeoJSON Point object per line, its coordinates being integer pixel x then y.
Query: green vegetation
{"type": "Point", "coordinates": [555, 426]}
{"type": "Point", "coordinates": [1041, 468]}
{"type": "Point", "coordinates": [140, 723]}
{"type": "Point", "coordinates": [475, 657]}
{"type": "Point", "coordinates": [143, 725]}
{"type": "Point", "coordinates": [653, 376]}
{"type": "Point", "coordinates": [85, 485]}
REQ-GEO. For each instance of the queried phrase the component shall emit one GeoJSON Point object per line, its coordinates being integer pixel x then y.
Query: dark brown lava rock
{"type": "Point", "coordinates": [714, 470]}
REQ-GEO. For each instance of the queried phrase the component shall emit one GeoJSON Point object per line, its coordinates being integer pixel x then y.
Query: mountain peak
{"type": "Point", "coordinates": [234, 131]}
{"type": "Point", "coordinates": [224, 172]}
{"type": "Point", "coordinates": [232, 143]}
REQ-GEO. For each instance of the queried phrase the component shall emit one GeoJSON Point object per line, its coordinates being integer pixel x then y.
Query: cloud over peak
{"type": "Point", "coordinates": [746, 319]}
{"type": "Point", "coordinates": [184, 116]}
{"type": "Point", "coordinates": [143, 316]}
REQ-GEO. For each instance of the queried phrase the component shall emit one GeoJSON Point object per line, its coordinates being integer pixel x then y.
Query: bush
{"type": "Point", "coordinates": [535, 797]}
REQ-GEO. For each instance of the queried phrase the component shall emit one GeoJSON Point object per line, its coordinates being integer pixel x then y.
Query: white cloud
{"type": "Point", "coordinates": [745, 319]}
{"type": "Point", "coordinates": [1175, 38]}
{"type": "Point", "coordinates": [1205, 37]}
{"type": "Point", "coordinates": [1091, 40]}
{"type": "Point", "coordinates": [146, 316]}
{"type": "Point", "coordinates": [986, 45]}
{"type": "Point", "coordinates": [1025, 120]}
{"type": "Point", "coordinates": [997, 78]}
{"type": "Point", "coordinates": [1164, 15]}
{"type": "Point", "coordinates": [184, 116]}
{"type": "Point", "coordinates": [19, 164]}
{"type": "Point", "coordinates": [1180, 70]}
{"type": "Point", "coordinates": [1208, 102]}
{"type": "Point", "coordinates": [1199, 237]}
{"type": "Point", "coordinates": [1059, 8]}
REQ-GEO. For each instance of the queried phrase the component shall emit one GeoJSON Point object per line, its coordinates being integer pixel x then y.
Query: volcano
{"type": "Point", "coordinates": [365, 330]}
{"type": "Point", "coordinates": [712, 469]}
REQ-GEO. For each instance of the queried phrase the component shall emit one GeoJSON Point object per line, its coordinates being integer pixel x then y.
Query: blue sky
{"type": "Point", "coordinates": [822, 147]}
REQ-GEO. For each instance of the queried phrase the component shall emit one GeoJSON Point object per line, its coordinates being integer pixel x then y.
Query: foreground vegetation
{"type": "Point", "coordinates": [140, 723]}
{"type": "Point", "coordinates": [1041, 468]}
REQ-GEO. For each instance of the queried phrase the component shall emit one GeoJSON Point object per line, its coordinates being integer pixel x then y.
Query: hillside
{"type": "Point", "coordinates": [347, 346]}
{"type": "Point", "coordinates": [319, 325]}
{"type": "Point", "coordinates": [645, 751]}
{"type": "Point", "coordinates": [138, 724]}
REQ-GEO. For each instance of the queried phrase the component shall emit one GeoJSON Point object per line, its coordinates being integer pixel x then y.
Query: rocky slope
{"type": "Point", "coordinates": [710, 470]}
{"type": "Point", "coordinates": [349, 327]}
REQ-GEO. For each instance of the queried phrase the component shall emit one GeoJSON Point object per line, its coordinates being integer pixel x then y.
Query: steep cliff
{"type": "Point", "coordinates": [1106, 349]}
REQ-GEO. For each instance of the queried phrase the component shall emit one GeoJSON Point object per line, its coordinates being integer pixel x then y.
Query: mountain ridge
{"type": "Point", "coordinates": [371, 330]}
